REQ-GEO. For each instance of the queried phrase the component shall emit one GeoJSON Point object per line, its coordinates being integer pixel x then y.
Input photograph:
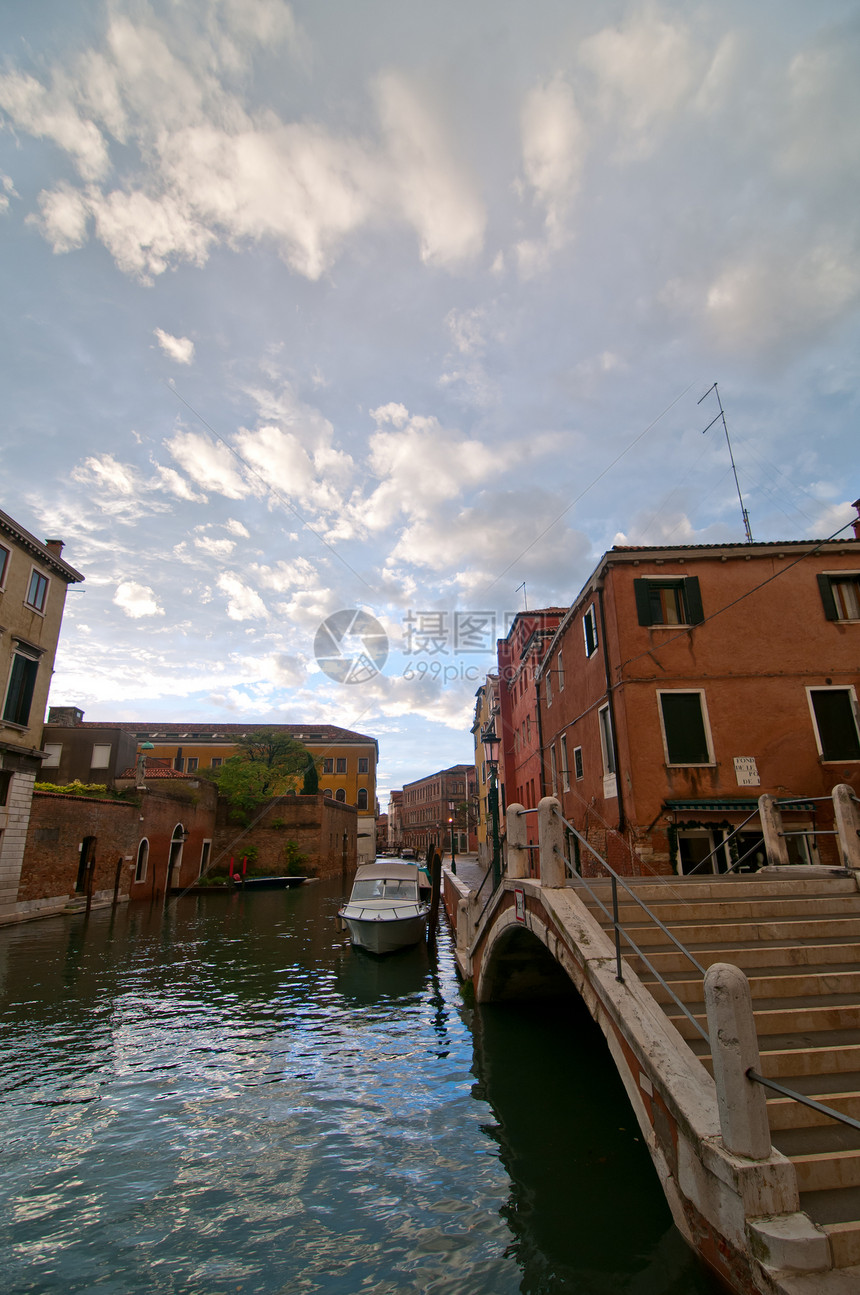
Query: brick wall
{"type": "Point", "coordinates": [58, 826]}
{"type": "Point", "coordinates": [316, 823]}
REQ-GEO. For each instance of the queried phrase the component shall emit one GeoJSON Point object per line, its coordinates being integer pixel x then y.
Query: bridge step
{"type": "Point", "coordinates": [798, 939]}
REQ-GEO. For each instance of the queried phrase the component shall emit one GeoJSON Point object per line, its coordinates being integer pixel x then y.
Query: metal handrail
{"type": "Point", "coordinates": [801, 1097]}
{"type": "Point", "coordinates": [722, 845]}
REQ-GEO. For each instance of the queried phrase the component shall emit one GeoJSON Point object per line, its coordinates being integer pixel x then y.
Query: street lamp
{"type": "Point", "coordinates": [491, 745]}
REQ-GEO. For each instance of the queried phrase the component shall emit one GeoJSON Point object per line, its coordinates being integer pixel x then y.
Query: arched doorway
{"type": "Point", "coordinates": [174, 862]}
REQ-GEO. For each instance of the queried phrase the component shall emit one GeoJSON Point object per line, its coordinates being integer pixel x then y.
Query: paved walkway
{"type": "Point", "coordinates": [470, 872]}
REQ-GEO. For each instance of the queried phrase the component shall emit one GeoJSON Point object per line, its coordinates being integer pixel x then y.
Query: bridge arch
{"type": "Point", "coordinates": [520, 962]}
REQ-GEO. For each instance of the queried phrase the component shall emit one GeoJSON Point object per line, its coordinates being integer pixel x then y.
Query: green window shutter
{"type": "Point", "coordinates": [693, 597]}
{"type": "Point", "coordinates": [684, 725]}
{"type": "Point", "coordinates": [827, 598]}
{"type": "Point", "coordinates": [642, 594]}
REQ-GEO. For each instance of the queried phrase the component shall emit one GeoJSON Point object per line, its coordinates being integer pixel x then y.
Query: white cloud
{"type": "Point", "coordinates": [180, 349]}
{"type": "Point", "coordinates": [243, 602]}
{"type": "Point", "coordinates": [209, 463]}
{"type": "Point", "coordinates": [555, 143]}
{"type": "Point", "coordinates": [137, 600]}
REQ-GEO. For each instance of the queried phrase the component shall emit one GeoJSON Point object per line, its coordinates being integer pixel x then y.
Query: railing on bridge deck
{"type": "Point", "coordinates": [724, 992]}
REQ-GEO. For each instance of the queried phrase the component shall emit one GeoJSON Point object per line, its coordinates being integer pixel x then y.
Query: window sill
{"type": "Point", "coordinates": [39, 611]}
{"type": "Point", "coordinates": [708, 764]}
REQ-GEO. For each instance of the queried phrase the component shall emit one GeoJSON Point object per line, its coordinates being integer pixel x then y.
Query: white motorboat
{"type": "Point", "coordinates": [387, 909]}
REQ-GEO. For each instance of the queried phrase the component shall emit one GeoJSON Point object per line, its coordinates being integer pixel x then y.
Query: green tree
{"type": "Point", "coordinates": [268, 764]}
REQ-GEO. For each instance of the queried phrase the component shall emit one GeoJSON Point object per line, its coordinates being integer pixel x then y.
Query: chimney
{"type": "Point", "coordinates": [65, 716]}
{"type": "Point", "coordinates": [55, 546]}
{"type": "Point", "coordinates": [856, 522]}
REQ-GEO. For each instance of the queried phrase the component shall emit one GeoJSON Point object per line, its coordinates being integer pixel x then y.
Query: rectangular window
{"type": "Point", "coordinates": [560, 673]}
{"type": "Point", "coordinates": [577, 763]}
{"type": "Point", "coordinates": [205, 855]}
{"type": "Point", "coordinates": [37, 591]}
{"type": "Point", "coordinates": [549, 687]}
{"type": "Point", "coordinates": [607, 747]}
{"type": "Point", "coordinates": [19, 694]}
{"type": "Point", "coordinates": [328, 765]}
{"type": "Point", "coordinates": [341, 764]}
{"type": "Point", "coordinates": [840, 595]}
{"type": "Point", "coordinates": [685, 731]}
{"type": "Point", "coordinates": [565, 770]}
{"type": "Point", "coordinates": [554, 770]}
{"type": "Point", "coordinates": [216, 762]}
{"type": "Point", "coordinates": [834, 713]}
{"type": "Point", "coordinates": [363, 764]}
{"type": "Point", "coordinates": [668, 602]}
{"type": "Point", "coordinates": [4, 565]}
{"type": "Point", "coordinates": [589, 631]}
{"type": "Point", "coordinates": [193, 761]}
{"type": "Point", "coordinates": [101, 757]}
{"type": "Point", "coordinates": [52, 759]}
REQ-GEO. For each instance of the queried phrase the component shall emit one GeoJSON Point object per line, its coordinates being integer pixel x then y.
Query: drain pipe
{"type": "Point", "coordinates": [610, 702]}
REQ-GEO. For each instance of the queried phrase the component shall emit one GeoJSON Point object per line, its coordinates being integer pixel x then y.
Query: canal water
{"type": "Point", "coordinates": [226, 1097]}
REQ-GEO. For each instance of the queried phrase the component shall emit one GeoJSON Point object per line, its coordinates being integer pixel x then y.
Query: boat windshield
{"type": "Point", "coordinates": [385, 888]}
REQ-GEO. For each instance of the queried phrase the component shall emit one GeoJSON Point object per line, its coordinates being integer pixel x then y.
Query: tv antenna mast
{"type": "Point", "coordinates": [721, 415]}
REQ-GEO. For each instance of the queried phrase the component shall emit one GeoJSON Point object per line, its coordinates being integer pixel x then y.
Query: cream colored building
{"type": "Point", "coordinates": [33, 583]}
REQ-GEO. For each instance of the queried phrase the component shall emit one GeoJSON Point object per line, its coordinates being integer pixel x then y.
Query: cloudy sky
{"type": "Point", "coordinates": [390, 307]}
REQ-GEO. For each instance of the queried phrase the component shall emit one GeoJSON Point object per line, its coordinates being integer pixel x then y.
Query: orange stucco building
{"type": "Point", "coordinates": [686, 681]}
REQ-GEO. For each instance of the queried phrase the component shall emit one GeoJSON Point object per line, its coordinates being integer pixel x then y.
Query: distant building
{"type": "Point", "coordinates": [33, 583]}
{"type": "Point", "coordinates": [395, 825]}
{"type": "Point", "coordinates": [430, 803]}
{"type": "Point", "coordinates": [347, 761]}
{"type": "Point", "coordinates": [697, 678]}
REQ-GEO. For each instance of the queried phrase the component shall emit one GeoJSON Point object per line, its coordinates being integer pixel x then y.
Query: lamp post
{"type": "Point", "coordinates": [491, 760]}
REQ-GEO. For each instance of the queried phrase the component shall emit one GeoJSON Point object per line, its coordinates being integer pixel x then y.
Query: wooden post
{"type": "Point", "coordinates": [91, 872]}
{"type": "Point", "coordinates": [434, 864]}
{"type": "Point", "coordinates": [116, 882]}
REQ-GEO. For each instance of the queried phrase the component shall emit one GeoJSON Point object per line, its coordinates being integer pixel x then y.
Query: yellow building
{"type": "Point", "coordinates": [346, 760]}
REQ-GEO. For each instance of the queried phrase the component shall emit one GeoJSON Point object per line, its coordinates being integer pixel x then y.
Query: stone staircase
{"type": "Point", "coordinates": [797, 938]}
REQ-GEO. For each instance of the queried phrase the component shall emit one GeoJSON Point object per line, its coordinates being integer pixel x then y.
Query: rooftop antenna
{"type": "Point", "coordinates": [721, 415]}
{"type": "Point", "coordinates": [525, 599]}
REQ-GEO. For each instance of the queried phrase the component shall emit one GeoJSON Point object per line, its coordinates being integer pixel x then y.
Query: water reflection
{"type": "Point", "coordinates": [585, 1206]}
{"type": "Point", "coordinates": [225, 1096]}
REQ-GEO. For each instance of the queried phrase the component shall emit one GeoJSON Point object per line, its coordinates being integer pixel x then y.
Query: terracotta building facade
{"type": "Point", "coordinates": [430, 803]}
{"type": "Point", "coordinates": [695, 680]}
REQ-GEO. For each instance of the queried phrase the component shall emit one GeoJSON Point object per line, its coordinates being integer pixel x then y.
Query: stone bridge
{"type": "Point", "coordinates": [680, 1023]}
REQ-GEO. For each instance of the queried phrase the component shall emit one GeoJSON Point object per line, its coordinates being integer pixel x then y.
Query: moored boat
{"type": "Point", "coordinates": [387, 910]}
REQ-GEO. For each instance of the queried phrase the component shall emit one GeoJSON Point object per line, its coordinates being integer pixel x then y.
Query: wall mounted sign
{"type": "Point", "coordinates": [746, 771]}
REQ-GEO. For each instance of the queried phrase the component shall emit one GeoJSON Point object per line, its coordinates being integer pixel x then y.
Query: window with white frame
{"type": "Point", "coordinates": [668, 601]}
{"type": "Point", "coordinates": [5, 555]}
{"type": "Point", "coordinates": [684, 722]}
{"type": "Point", "coordinates": [554, 769]}
{"type": "Point", "coordinates": [192, 763]}
{"type": "Point", "coordinates": [549, 687]}
{"type": "Point", "coordinates": [340, 766]}
{"type": "Point", "coordinates": [363, 764]}
{"type": "Point", "coordinates": [834, 716]}
{"type": "Point", "coordinates": [142, 860]}
{"type": "Point", "coordinates": [607, 746]}
{"type": "Point", "coordinates": [840, 594]}
{"type": "Point", "coordinates": [577, 763]}
{"type": "Point", "coordinates": [54, 751]}
{"type": "Point", "coordinates": [589, 631]}
{"type": "Point", "coordinates": [361, 803]}
{"type": "Point", "coordinates": [565, 770]}
{"type": "Point", "coordinates": [37, 591]}
{"type": "Point", "coordinates": [560, 669]}
{"type": "Point", "coordinates": [101, 756]}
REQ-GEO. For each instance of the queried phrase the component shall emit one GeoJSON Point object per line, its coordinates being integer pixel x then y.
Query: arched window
{"type": "Point", "coordinates": [327, 791]}
{"type": "Point", "coordinates": [142, 860]}
{"type": "Point", "coordinates": [340, 794]}
{"type": "Point", "coordinates": [362, 798]}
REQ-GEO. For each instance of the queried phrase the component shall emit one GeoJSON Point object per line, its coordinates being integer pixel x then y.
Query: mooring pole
{"type": "Point", "coordinates": [434, 861]}
{"type": "Point", "coordinates": [116, 882]}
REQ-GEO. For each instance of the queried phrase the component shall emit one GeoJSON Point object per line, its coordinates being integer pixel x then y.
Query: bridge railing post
{"type": "Point", "coordinates": [734, 1049]}
{"type": "Point", "coordinates": [775, 843]}
{"type": "Point", "coordinates": [846, 812]}
{"type": "Point", "coordinates": [551, 838]}
{"type": "Point", "coordinates": [517, 838]}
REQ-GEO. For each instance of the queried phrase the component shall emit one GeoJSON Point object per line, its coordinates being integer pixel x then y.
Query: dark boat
{"type": "Point", "coordinates": [268, 883]}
